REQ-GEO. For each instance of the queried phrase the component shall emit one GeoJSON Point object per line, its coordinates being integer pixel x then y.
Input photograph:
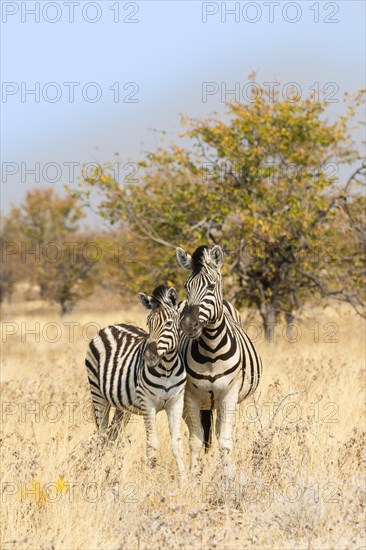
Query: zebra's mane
{"type": "Point", "coordinates": [200, 258]}
{"type": "Point", "coordinates": [160, 295]}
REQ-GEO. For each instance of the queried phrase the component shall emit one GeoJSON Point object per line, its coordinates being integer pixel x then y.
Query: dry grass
{"type": "Point", "coordinates": [300, 471]}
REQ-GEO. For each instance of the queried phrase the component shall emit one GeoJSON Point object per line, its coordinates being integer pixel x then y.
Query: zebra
{"type": "Point", "coordinates": [141, 372]}
{"type": "Point", "coordinates": [222, 365]}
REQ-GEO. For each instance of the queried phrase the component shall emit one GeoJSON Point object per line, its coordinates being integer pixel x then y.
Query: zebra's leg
{"type": "Point", "coordinates": [224, 431]}
{"type": "Point", "coordinates": [175, 413]}
{"type": "Point", "coordinates": [104, 416]}
{"type": "Point", "coordinates": [152, 442]}
{"type": "Point", "coordinates": [119, 421]}
{"type": "Point", "coordinates": [218, 426]}
{"type": "Point", "coordinates": [192, 416]}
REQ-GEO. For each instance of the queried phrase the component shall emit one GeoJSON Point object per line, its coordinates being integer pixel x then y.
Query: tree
{"type": "Point", "coordinates": [44, 232]}
{"type": "Point", "coordinates": [122, 260]}
{"type": "Point", "coordinates": [261, 181]}
{"type": "Point", "coordinates": [10, 272]}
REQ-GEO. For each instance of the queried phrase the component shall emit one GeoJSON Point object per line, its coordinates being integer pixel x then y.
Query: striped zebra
{"type": "Point", "coordinates": [141, 372]}
{"type": "Point", "coordinates": [222, 365]}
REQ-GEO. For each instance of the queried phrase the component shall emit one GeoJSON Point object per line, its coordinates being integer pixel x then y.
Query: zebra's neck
{"type": "Point", "coordinates": [214, 329]}
{"type": "Point", "coordinates": [166, 365]}
{"type": "Point", "coordinates": [169, 360]}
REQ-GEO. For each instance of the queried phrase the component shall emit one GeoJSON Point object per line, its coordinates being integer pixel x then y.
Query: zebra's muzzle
{"type": "Point", "coordinates": [151, 356]}
{"type": "Point", "coordinates": [190, 322]}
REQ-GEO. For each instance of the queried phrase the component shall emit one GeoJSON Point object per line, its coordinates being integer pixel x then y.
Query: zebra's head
{"type": "Point", "coordinates": [163, 323]}
{"type": "Point", "coordinates": [204, 288]}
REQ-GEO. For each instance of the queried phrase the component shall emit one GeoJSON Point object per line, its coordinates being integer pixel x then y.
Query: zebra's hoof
{"type": "Point", "coordinates": [229, 472]}
{"type": "Point", "coordinates": [182, 477]}
{"type": "Point", "coordinates": [152, 462]}
{"type": "Point", "coordinates": [196, 472]}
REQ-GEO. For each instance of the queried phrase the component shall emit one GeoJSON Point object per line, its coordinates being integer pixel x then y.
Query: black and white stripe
{"type": "Point", "coordinates": [222, 364]}
{"type": "Point", "coordinates": [141, 372]}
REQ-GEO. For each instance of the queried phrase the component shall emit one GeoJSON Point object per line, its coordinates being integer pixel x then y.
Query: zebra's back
{"type": "Point", "coordinates": [113, 360]}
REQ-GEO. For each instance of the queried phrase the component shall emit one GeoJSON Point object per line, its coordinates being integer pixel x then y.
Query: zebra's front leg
{"type": "Point", "coordinates": [224, 432]}
{"type": "Point", "coordinates": [192, 416]}
{"type": "Point", "coordinates": [152, 442]}
{"type": "Point", "coordinates": [175, 413]}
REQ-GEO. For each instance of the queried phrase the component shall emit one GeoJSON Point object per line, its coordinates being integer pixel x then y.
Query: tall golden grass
{"type": "Point", "coordinates": [299, 444]}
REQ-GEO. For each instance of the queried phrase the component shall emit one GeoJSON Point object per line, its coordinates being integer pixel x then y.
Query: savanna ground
{"type": "Point", "coordinates": [298, 449]}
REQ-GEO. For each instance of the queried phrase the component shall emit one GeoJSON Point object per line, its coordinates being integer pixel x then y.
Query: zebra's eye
{"type": "Point", "coordinates": [211, 286]}
{"type": "Point", "coordinates": [169, 324]}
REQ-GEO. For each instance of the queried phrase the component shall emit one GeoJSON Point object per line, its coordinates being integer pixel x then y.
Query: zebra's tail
{"type": "Point", "coordinates": [206, 422]}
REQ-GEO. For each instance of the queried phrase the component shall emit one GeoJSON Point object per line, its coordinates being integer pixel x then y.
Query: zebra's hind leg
{"type": "Point", "coordinates": [101, 416]}
{"type": "Point", "coordinates": [119, 421]}
{"type": "Point", "coordinates": [101, 411]}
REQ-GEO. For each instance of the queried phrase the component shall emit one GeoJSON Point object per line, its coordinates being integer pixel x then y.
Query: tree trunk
{"type": "Point", "coordinates": [66, 307]}
{"type": "Point", "coordinates": [269, 316]}
{"type": "Point", "coordinates": [291, 331]}
{"type": "Point", "coordinates": [42, 290]}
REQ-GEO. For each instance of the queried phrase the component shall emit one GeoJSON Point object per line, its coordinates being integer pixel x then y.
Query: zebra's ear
{"type": "Point", "coordinates": [184, 259]}
{"type": "Point", "coordinates": [173, 297]}
{"type": "Point", "coordinates": [217, 256]}
{"type": "Point", "coordinates": [147, 301]}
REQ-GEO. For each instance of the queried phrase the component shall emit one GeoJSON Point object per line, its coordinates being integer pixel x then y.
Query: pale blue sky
{"type": "Point", "coordinates": [168, 53]}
